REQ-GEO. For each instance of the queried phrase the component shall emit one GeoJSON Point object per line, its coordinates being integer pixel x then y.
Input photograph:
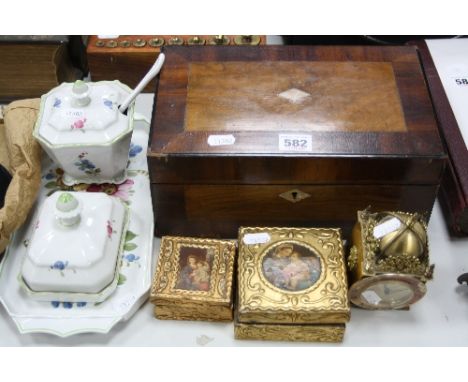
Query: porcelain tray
{"type": "Point", "coordinates": [68, 318]}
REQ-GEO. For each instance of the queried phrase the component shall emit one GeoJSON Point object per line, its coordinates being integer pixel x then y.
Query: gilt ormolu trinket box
{"type": "Point", "coordinates": [389, 260]}
{"type": "Point", "coordinates": [193, 279]}
{"type": "Point", "coordinates": [299, 136]}
{"type": "Point", "coordinates": [291, 285]}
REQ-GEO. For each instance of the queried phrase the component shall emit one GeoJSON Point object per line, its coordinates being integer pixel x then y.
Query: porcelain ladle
{"type": "Point", "coordinates": [153, 72]}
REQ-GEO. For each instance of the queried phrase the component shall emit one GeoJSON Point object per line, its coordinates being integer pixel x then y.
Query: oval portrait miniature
{"type": "Point", "coordinates": [291, 267]}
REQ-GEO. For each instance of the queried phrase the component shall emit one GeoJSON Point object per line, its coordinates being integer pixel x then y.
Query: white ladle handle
{"type": "Point", "coordinates": [146, 79]}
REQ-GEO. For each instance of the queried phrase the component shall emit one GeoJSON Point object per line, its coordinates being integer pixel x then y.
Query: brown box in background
{"type": "Point", "coordinates": [30, 66]}
{"type": "Point", "coordinates": [453, 194]}
{"type": "Point", "coordinates": [290, 136]}
{"type": "Point", "coordinates": [127, 58]}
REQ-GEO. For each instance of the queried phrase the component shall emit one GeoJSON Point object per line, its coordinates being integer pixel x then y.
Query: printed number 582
{"type": "Point", "coordinates": [295, 143]}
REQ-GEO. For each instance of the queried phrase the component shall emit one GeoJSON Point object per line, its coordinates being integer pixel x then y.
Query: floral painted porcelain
{"type": "Point", "coordinates": [66, 318]}
{"type": "Point", "coordinates": [83, 131]}
{"type": "Point", "coordinates": [74, 251]}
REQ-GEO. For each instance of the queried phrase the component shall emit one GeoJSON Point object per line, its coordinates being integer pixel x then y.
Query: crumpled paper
{"type": "Point", "coordinates": [21, 156]}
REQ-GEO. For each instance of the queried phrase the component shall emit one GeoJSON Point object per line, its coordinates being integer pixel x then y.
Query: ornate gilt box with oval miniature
{"type": "Point", "coordinates": [193, 279]}
{"type": "Point", "coordinates": [291, 285]}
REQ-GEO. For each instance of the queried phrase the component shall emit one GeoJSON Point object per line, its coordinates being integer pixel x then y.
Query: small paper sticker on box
{"type": "Point", "coordinates": [371, 297]}
{"type": "Point", "coordinates": [221, 140]}
{"type": "Point", "coordinates": [107, 36]}
{"type": "Point", "coordinates": [256, 238]}
{"type": "Point", "coordinates": [385, 228]}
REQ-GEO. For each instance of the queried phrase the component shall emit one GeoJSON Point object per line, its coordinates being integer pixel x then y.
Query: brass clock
{"type": "Point", "coordinates": [389, 260]}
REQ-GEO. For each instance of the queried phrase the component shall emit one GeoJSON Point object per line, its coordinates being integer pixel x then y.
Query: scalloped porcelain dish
{"type": "Point", "coordinates": [134, 279]}
{"type": "Point", "coordinates": [82, 130]}
{"type": "Point", "coordinates": [73, 254]}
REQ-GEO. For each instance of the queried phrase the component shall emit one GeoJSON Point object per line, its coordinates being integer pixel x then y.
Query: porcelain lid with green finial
{"type": "Point", "coordinates": [75, 243]}
{"type": "Point", "coordinates": [68, 209]}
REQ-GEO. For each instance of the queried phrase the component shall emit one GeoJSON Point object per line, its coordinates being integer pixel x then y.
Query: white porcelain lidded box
{"type": "Point", "coordinates": [74, 253]}
{"type": "Point", "coordinates": [83, 131]}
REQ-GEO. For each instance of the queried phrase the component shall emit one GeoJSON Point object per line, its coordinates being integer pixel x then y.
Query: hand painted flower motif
{"type": "Point", "coordinates": [79, 125]}
{"type": "Point", "coordinates": [49, 176]}
{"type": "Point", "coordinates": [59, 265]}
{"type": "Point", "coordinates": [122, 190]}
{"type": "Point", "coordinates": [131, 258]}
{"type": "Point", "coordinates": [110, 230]}
{"type": "Point", "coordinates": [134, 150]}
{"type": "Point", "coordinates": [55, 182]}
{"type": "Point", "coordinates": [57, 102]}
{"type": "Point", "coordinates": [108, 103]}
{"type": "Point", "coordinates": [86, 165]}
{"type": "Point", "coordinates": [67, 305]}
{"type": "Point", "coordinates": [36, 226]}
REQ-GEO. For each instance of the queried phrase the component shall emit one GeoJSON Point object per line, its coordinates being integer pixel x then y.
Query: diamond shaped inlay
{"type": "Point", "coordinates": [294, 95]}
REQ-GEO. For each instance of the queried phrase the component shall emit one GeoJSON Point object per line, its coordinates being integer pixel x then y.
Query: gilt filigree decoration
{"type": "Point", "coordinates": [165, 283]}
{"type": "Point", "coordinates": [352, 257]}
{"type": "Point", "coordinates": [326, 294]}
{"type": "Point", "coordinates": [299, 333]}
{"type": "Point", "coordinates": [377, 261]}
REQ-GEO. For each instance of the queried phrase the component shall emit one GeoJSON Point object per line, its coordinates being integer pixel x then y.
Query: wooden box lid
{"type": "Point", "coordinates": [297, 114]}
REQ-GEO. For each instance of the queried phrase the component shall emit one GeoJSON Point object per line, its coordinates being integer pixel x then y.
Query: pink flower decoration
{"type": "Point", "coordinates": [78, 124]}
{"type": "Point", "coordinates": [123, 189]}
{"type": "Point", "coordinates": [109, 229]}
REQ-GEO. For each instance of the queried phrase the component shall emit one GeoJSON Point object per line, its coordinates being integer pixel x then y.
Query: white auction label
{"type": "Point", "coordinates": [450, 58]}
{"type": "Point", "coordinates": [371, 297]}
{"type": "Point", "coordinates": [386, 228]}
{"type": "Point", "coordinates": [460, 80]}
{"type": "Point", "coordinates": [295, 142]}
{"type": "Point", "coordinates": [108, 36]}
{"type": "Point", "coordinates": [256, 238]}
{"type": "Point", "coordinates": [221, 140]}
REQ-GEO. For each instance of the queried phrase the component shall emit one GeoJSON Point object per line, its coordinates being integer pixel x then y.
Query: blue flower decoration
{"type": "Point", "coordinates": [108, 103]}
{"type": "Point", "coordinates": [57, 102]}
{"type": "Point", "coordinates": [80, 304]}
{"type": "Point", "coordinates": [55, 304]}
{"type": "Point", "coordinates": [131, 258]}
{"type": "Point", "coordinates": [134, 150]}
{"type": "Point", "coordinates": [67, 305]}
{"type": "Point", "coordinates": [49, 176]}
{"type": "Point", "coordinates": [60, 265]}
{"type": "Point", "coordinates": [87, 163]}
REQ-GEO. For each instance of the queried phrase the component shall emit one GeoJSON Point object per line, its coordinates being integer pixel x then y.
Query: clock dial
{"type": "Point", "coordinates": [390, 293]}
{"type": "Point", "coordinates": [387, 292]}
